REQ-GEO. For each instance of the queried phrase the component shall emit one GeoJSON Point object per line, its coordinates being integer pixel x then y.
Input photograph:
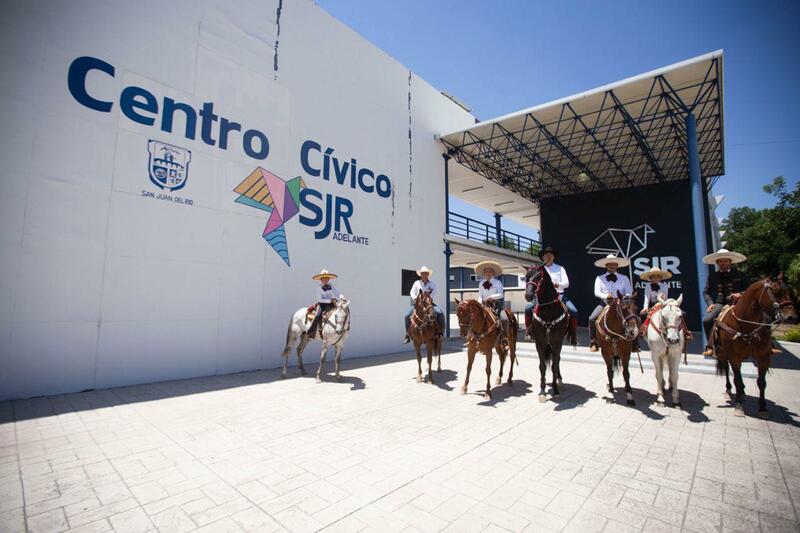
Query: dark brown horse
{"type": "Point", "coordinates": [550, 324]}
{"type": "Point", "coordinates": [744, 331]}
{"type": "Point", "coordinates": [481, 328]}
{"type": "Point", "coordinates": [617, 329]}
{"type": "Point", "coordinates": [424, 330]}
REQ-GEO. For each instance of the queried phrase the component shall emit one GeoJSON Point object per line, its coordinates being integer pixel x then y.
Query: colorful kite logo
{"type": "Point", "coordinates": [264, 190]}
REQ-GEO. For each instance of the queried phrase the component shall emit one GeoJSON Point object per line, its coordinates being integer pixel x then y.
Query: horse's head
{"type": "Point", "coordinates": [776, 297]}
{"type": "Point", "coordinates": [463, 314]}
{"type": "Point", "coordinates": [532, 279]}
{"type": "Point", "coordinates": [423, 305]}
{"type": "Point", "coordinates": [341, 316]}
{"type": "Point", "coordinates": [629, 312]}
{"type": "Point", "coordinates": [671, 319]}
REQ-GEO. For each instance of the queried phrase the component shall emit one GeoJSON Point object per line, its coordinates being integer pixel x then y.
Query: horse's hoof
{"type": "Point", "coordinates": [631, 402]}
{"type": "Point", "coordinates": [339, 379]}
{"type": "Point", "coordinates": [560, 381]}
{"type": "Point", "coordinates": [608, 400]}
{"type": "Point", "coordinates": [419, 379]}
{"type": "Point", "coordinates": [661, 403]}
{"type": "Point", "coordinates": [487, 396]}
{"type": "Point", "coordinates": [439, 370]}
{"type": "Point", "coordinates": [283, 375]}
{"type": "Point", "coordinates": [542, 398]}
{"type": "Point", "coordinates": [677, 404]}
{"type": "Point", "coordinates": [610, 389]}
{"type": "Point", "coordinates": [510, 383]}
{"type": "Point", "coordinates": [763, 415]}
{"type": "Point", "coordinates": [738, 410]}
{"type": "Point", "coordinates": [727, 395]}
{"type": "Point", "coordinates": [430, 380]}
{"type": "Point", "coordinates": [319, 380]}
{"type": "Point", "coordinates": [462, 391]}
{"type": "Point", "coordinates": [303, 372]}
{"type": "Point", "coordinates": [497, 381]}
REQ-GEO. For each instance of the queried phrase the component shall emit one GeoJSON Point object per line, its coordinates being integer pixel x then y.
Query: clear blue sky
{"type": "Point", "coordinates": [502, 56]}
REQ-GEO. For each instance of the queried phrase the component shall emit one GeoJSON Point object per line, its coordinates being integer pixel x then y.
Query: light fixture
{"type": "Point", "coordinates": [504, 203]}
{"type": "Point", "coordinates": [473, 188]}
{"type": "Point", "coordinates": [583, 176]}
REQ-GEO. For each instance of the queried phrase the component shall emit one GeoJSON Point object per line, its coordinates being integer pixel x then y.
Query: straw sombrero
{"type": "Point", "coordinates": [424, 269]}
{"type": "Point", "coordinates": [663, 274]}
{"type": "Point", "coordinates": [611, 258]}
{"type": "Point", "coordinates": [483, 265]}
{"type": "Point", "coordinates": [324, 274]}
{"type": "Point", "coordinates": [722, 253]}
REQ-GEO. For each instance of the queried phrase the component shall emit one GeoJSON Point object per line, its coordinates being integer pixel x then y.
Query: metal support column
{"type": "Point", "coordinates": [707, 216]}
{"type": "Point", "coordinates": [698, 212]}
{"type": "Point", "coordinates": [498, 230]}
{"type": "Point", "coordinates": [447, 251]}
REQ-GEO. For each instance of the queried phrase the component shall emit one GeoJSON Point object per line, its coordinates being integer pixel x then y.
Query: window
{"type": "Point", "coordinates": [407, 279]}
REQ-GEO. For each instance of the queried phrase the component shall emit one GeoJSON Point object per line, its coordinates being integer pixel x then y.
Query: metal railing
{"type": "Point", "coordinates": [475, 230]}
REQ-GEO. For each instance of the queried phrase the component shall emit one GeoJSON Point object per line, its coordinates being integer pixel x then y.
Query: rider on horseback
{"type": "Point", "coordinates": [326, 299]}
{"type": "Point", "coordinates": [491, 293]}
{"type": "Point", "coordinates": [558, 274]}
{"type": "Point", "coordinates": [605, 289]}
{"type": "Point", "coordinates": [425, 284]}
{"type": "Point", "coordinates": [723, 287]}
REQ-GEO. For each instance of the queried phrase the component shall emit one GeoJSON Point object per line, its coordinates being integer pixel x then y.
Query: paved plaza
{"type": "Point", "coordinates": [380, 452]}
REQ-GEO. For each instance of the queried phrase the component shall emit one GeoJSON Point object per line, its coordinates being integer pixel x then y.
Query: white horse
{"type": "Point", "coordinates": [666, 339]}
{"type": "Point", "coordinates": [334, 333]}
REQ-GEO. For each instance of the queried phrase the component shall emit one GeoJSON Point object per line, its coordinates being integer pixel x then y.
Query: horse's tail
{"type": "Point", "coordinates": [572, 331]}
{"type": "Point", "coordinates": [289, 340]}
{"type": "Point", "coordinates": [615, 363]}
{"type": "Point", "coordinates": [548, 355]}
{"type": "Point", "coordinates": [722, 366]}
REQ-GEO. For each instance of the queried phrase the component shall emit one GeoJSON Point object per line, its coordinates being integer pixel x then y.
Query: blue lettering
{"type": "Point", "coordinates": [128, 104]}
{"type": "Point", "coordinates": [365, 172]}
{"type": "Point", "coordinates": [191, 117]}
{"type": "Point", "coordinates": [262, 153]}
{"type": "Point", "coordinates": [311, 206]}
{"type": "Point", "coordinates": [304, 150]}
{"type": "Point", "coordinates": [344, 210]}
{"type": "Point", "coordinates": [340, 172]}
{"type": "Point", "coordinates": [226, 126]}
{"type": "Point", "coordinates": [208, 116]}
{"type": "Point", "coordinates": [386, 190]}
{"type": "Point", "coordinates": [76, 81]}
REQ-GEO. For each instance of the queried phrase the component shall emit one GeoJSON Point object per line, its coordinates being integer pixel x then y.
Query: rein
{"type": "Point", "coordinates": [479, 311]}
{"type": "Point", "coordinates": [609, 332]}
{"type": "Point", "coordinates": [754, 336]}
{"type": "Point", "coordinates": [346, 326]}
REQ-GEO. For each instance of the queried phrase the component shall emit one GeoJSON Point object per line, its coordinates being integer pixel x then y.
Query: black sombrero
{"type": "Point", "coordinates": [548, 249]}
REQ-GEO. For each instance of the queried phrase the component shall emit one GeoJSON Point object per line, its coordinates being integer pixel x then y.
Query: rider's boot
{"type": "Point", "coordinates": [406, 339]}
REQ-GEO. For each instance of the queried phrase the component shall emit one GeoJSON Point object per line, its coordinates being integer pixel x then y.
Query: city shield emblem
{"type": "Point", "coordinates": [168, 165]}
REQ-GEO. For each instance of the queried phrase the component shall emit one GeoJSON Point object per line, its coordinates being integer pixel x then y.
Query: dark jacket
{"type": "Point", "coordinates": [721, 285]}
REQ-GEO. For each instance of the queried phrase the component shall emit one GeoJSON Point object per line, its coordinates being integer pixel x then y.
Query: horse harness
{"type": "Point", "coordinates": [612, 336]}
{"type": "Point", "coordinates": [752, 336]}
{"type": "Point", "coordinates": [477, 336]}
{"type": "Point", "coordinates": [549, 324]}
{"type": "Point", "coordinates": [663, 333]}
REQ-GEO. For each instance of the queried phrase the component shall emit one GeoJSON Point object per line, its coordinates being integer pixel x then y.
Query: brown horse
{"type": "Point", "coordinates": [424, 330]}
{"type": "Point", "coordinates": [617, 329]}
{"type": "Point", "coordinates": [744, 331]}
{"type": "Point", "coordinates": [551, 323]}
{"type": "Point", "coordinates": [481, 328]}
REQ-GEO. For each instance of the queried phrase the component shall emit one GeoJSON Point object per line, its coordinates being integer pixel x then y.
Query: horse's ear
{"type": "Point", "coordinates": [456, 300]}
{"type": "Point", "coordinates": [346, 303]}
{"type": "Point", "coordinates": [661, 298]}
{"type": "Point", "coordinates": [634, 295]}
{"type": "Point", "coordinates": [679, 301]}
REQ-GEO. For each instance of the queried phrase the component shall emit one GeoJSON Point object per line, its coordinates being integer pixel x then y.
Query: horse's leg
{"type": "Point", "coordinates": [554, 364]}
{"type": "Point", "coordinates": [674, 361]}
{"type": "Point", "coordinates": [429, 348]}
{"type": "Point", "coordinates": [338, 360]}
{"type": "Point", "coordinates": [658, 363]}
{"type": "Point", "coordinates": [728, 379]}
{"type": "Point", "coordinates": [512, 350]}
{"type": "Point", "coordinates": [304, 340]}
{"type": "Point", "coordinates": [609, 358]}
{"type": "Point", "coordinates": [291, 338]}
{"type": "Point", "coordinates": [739, 382]}
{"type": "Point", "coordinates": [541, 351]}
{"type": "Point", "coordinates": [322, 360]}
{"type": "Point", "coordinates": [438, 343]}
{"type": "Point", "coordinates": [470, 360]}
{"type": "Point", "coordinates": [502, 355]}
{"type": "Point", "coordinates": [763, 367]}
{"type": "Point", "coordinates": [418, 349]}
{"type": "Point", "coordinates": [626, 375]}
{"type": "Point", "coordinates": [488, 394]}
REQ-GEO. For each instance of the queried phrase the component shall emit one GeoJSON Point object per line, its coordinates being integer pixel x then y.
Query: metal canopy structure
{"type": "Point", "coordinates": [626, 134]}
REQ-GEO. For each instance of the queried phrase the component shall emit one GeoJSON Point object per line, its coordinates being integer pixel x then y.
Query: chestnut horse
{"type": "Point", "coordinates": [551, 323]}
{"type": "Point", "coordinates": [744, 331]}
{"type": "Point", "coordinates": [424, 330]}
{"type": "Point", "coordinates": [617, 329]}
{"type": "Point", "coordinates": [481, 328]}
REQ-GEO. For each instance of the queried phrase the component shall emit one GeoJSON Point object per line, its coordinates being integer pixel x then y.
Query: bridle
{"type": "Point", "coordinates": [777, 316]}
{"type": "Point", "coordinates": [477, 311]}
{"type": "Point", "coordinates": [427, 319]}
{"type": "Point", "coordinates": [665, 328]}
{"type": "Point", "coordinates": [345, 322]}
{"type": "Point", "coordinates": [625, 336]}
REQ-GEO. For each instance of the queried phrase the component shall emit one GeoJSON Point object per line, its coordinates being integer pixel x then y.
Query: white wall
{"type": "Point", "coordinates": [100, 286]}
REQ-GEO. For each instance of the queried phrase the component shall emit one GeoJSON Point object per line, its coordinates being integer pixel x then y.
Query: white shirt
{"type": "Point", "coordinates": [559, 275]}
{"type": "Point", "coordinates": [420, 286]}
{"type": "Point", "coordinates": [651, 296]}
{"type": "Point", "coordinates": [324, 296]}
{"type": "Point", "coordinates": [603, 287]}
{"type": "Point", "coordinates": [495, 292]}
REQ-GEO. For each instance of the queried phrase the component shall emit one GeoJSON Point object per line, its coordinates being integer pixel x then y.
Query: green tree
{"type": "Point", "coordinates": [770, 238]}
